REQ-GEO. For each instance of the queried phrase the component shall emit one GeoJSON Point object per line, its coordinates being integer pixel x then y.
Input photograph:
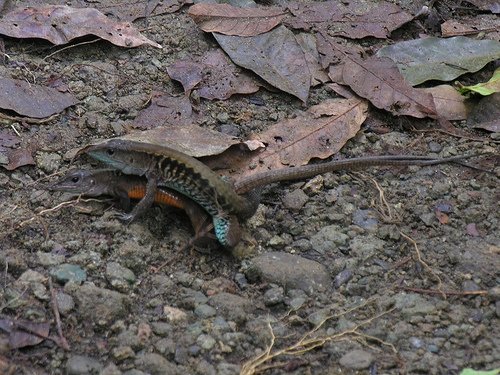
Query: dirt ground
{"type": "Point", "coordinates": [380, 271]}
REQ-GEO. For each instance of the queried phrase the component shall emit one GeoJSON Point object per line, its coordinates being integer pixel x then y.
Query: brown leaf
{"type": "Point", "coordinates": [483, 23]}
{"type": "Point", "coordinates": [130, 10]}
{"type": "Point", "coordinates": [308, 44]}
{"type": "Point", "coordinates": [215, 75]}
{"type": "Point", "coordinates": [379, 81]}
{"type": "Point", "coordinates": [442, 217]}
{"type": "Point", "coordinates": [162, 110]}
{"type": "Point", "coordinates": [229, 20]}
{"type": "Point", "coordinates": [318, 133]}
{"type": "Point", "coordinates": [18, 158]}
{"type": "Point", "coordinates": [274, 56]}
{"type": "Point", "coordinates": [351, 19]}
{"type": "Point", "coordinates": [32, 100]}
{"type": "Point", "coordinates": [24, 333]}
{"type": "Point", "coordinates": [61, 24]}
{"type": "Point", "coordinates": [189, 139]}
{"type": "Point", "coordinates": [491, 5]}
{"type": "Point", "coordinates": [448, 101]}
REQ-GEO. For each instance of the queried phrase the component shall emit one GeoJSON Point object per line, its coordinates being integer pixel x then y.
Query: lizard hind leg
{"type": "Point", "coordinates": [227, 230]}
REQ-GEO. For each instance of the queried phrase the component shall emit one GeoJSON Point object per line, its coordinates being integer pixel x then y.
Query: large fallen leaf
{"type": "Point", "coordinates": [24, 333]}
{"type": "Point", "coordinates": [482, 23]}
{"type": "Point", "coordinates": [215, 76]}
{"type": "Point", "coordinates": [308, 44]}
{"type": "Point", "coordinates": [450, 105]}
{"type": "Point", "coordinates": [189, 139]}
{"type": "Point", "coordinates": [229, 20]}
{"type": "Point", "coordinates": [492, 5]}
{"type": "Point", "coordinates": [354, 19]}
{"type": "Point", "coordinates": [32, 100]}
{"type": "Point", "coordinates": [421, 60]}
{"type": "Point", "coordinates": [164, 109]}
{"type": "Point", "coordinates": [485, 88]}
{"type": "Point", "coordinates": [378, 80]}
{"type": "Point", "coordinates": [486, 111]}
{"type": "Point", "coordinates": [318, 133]}
{"type": "Point", "coordinates": [61, 24]}
{"type": "Point", "coordinates": [130, 10]}
{"type": "Point", "coordinates": [274, 56]}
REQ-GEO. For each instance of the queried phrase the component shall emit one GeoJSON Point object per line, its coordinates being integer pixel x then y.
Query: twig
{"type": "Point", "coordinates": [71, 46]}
{"type": "Point", "coordinates": [307, 343]}
{"type": "Point", "coordinates": [55, 308]}
{"type": "Point", "coordinates": [423, 263]}
{"type": "Point", "coordinates": [447, 292]}
{"type": "Point", "coordinates": [29, 120]}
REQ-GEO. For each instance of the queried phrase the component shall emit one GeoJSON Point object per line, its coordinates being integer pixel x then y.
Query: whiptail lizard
{"type": "Point", "coordinates": [166, 167]}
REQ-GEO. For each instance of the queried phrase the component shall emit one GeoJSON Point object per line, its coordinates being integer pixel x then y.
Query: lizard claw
{"type": "Point", "coordinates": [124, 217]}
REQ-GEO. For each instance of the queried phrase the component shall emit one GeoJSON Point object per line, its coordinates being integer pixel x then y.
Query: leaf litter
{"type": "Point", "coordinates": [61, 24]}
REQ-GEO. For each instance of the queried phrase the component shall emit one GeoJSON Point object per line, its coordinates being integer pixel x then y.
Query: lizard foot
{"type": "Point", "coordinates": [124, 217]}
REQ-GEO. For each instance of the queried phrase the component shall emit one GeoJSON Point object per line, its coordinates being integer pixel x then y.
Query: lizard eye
{"type": "Point", "coordinates": [110, 151]}
{"type": "Point", "coordinates": [75, 179]}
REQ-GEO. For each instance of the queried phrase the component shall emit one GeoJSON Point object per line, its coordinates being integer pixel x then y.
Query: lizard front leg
{"type": "Point", "coordinates": [145, 203]}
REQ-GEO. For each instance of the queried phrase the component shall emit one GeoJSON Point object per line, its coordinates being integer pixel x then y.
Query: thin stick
{"type": "Point", "coordinates": [55, 308]}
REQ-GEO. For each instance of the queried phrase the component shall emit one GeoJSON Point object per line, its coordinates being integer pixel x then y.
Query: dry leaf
{"type": "Point", "coordinates": [318, 133]}
{"type": "Point", "coordinates": [448, 101]}
{"type": "Point", "coordinates": [32, 100]}
{"type": "Point", "coordinates": [130, 10]}
{"type": "Point", "coordinates": [229, 20]}
{"type": "Point", "coordinates": [308, 44]}
{"type": "Point", "coordinates": [215, 76]}
{"type": "Point", "coordinates": [274, 56]}
{"type": "Point", "coordinates": [61, 24]}
{"type": "Point", "coordinates": [483, 23]}
{"type": "Point", "coordinates": [351, 19]}
{"type": "Point", "coordinates": [189, 139]}
{"type": "Point", "coordinates": [491, 5]}
{"type": "Point", "coordinates": [24, 333]}
{"type": "Point", "coordinates": [378, 80]}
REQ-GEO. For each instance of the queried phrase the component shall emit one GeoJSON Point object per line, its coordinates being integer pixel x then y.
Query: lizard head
{"type": "Point", "coordinates": [81, 181]}
{"type": "Point", "coordinates": [122, 155]}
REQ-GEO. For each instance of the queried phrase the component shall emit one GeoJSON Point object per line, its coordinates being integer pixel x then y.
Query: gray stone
{"type": "Point", "coordinates": [366, 219]}
{"type": "Point", "coordinates": [206, 342]}
{"type": "Point", "coordinates": [274, 296]}
{"type": "Point", "coordinates": [82, 365]}
{"type": "Point", "coordinates": [233, 307]}
{"type": "Point", "coordinates": [111, 369]}
{"type": "Point", "coordinates": [49, 162]}
{"type": "Point", "coordinates": [356, 359]}
{"type": "Point", "coordinates": [99, 305]}
{"type": "Point", "coordinates": [225, 368]}
{"type": "Point", "coordinates": [366, 247]}
{"type": "Point", "coordinates": [69, 272]}
{"type": "Point", "coordinates": [328, 239]}
{"type": "Point", "coordinates": [155, 364]}
{"type": "Point", "coordinates": [295, 200]}
{"type": "Point", "coordinates": [49, 259]}
{"type": "Point", "coordinates": [65, 302]}
{"type": "Point", "coordinates": [289, 271]}
{"type": "Point", "coordinates": [205, 311]}
{"type": "Point", "coordinates": [165, 346]}
{"type": "Point", "coordinates": [119, 277]}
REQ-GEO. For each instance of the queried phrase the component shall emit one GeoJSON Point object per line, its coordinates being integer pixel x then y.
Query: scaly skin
{"type": "Point", "coordinates": [166, 167]}
{"type": "Point", "coordinates": [110, 182]}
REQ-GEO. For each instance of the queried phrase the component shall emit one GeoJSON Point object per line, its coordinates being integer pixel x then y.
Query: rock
{"type": "Point", "coordinates": [295, 200]}
{"type": "Point", "coordinates": [356, 360]}
{"type": "Point", "coordinates": [65, 302]}
{"type": "Point", "coordinates": [366, 219]}
{"type": "Point", "coordinates": [155, 364]}
{"type": "Point", "coordinates": [49, 259]}
{"type": "Point", "coordinates": [225, 368]}
{"type": "Point", "coordinates": [289, 271]}
{"type": "Point", "coordinates": [342, 278]}
{"type": "Point", "coordinates": [101, 306]}
{"type": "Point", "coordinates": [49, 162]}
{"type": "Point", "coordinates": [274, 296]}
{"type": "Point", "coordinates": [173, 314]}
{"type": "Point", "coordinates": [206, 342]}
{"type": "Point", "coordinates": [204, 311]}
{"type": "Point", "coordinates": [119, 277]}
{"type": "Point", "coordinates": [111, 369]}
{"type": "Point", "coordinates": [328, 239]}
{"type": "Point", "coordinates": [366, 247]}
{"type": "Point", "coordinates": [69, 272]}
{"type": "Point", "coordinates": [82, 365]}
{"type": "Point", "coordinates": [233, 307]}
